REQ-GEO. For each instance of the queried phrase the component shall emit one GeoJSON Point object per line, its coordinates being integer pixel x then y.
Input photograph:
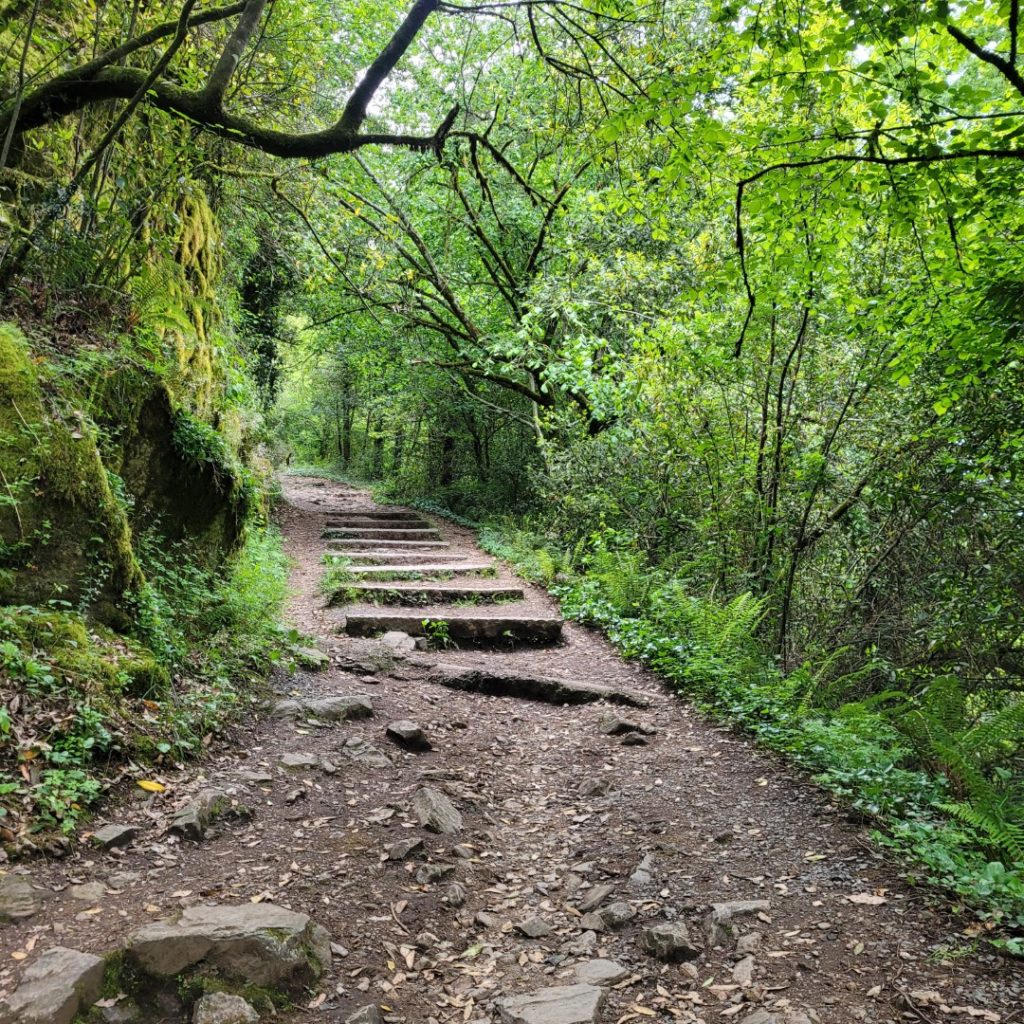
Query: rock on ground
{"type": "Point", "coordinates": [407, 734]}
{"type": "Point", "coordinates": [338, 708]}
{"type": "Point", "coordinates": [223, 1008]}
{"type": "Point", "coordinates": [601, 972]}
{"type": "Point", "coordinates": [357, 749]}
{"type": "Point", "coordinates": [192, 820]}
{"type": "Point", "coordinates": [563, 1004]}
{"type": "Point", "coordinates": [534, 927]}
{"type": "Point", "coordinates": [366, 1015]}
{"type": "Point", "coordinates": [258, 944]}
{"type": "Point", "coordinates": [595, 897]}
{"type": "Point", "coordinates": [720, 925]}
{"type": "Point", "coordinates": [110, 836]}
{"type": "Point", "coordinates": [18, 899]}
{"type": "Point", "coordinates": [54, 988]}
{"type": "Point", "coordinates": [405, 848]}
{"type": "Point", "coordinates": [669, 941]}
{"type": "Point", "coordinates": [436, 812]}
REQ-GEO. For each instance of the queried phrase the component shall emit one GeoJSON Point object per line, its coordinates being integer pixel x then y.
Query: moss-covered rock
{"type": "Point", "coordinates": [64, 535]}
{"type": "Point", "coordinates": [182, 477]}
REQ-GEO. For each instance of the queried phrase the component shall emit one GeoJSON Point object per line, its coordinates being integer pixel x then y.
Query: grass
{"type": "Point", "coordinates": [87, 702]}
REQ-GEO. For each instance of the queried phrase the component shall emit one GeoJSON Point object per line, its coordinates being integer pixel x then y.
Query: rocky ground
{"type": "Point", "coordinates": [401, 839]}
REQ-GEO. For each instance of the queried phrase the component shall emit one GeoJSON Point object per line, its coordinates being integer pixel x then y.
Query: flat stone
{"type": "Point", "coordinates": [534, 927]}
{"type": "Point", "coordinates": [595, 897]}
{"type": "Point", "coordinates": [88, 892]}
{"type": "Point", "coordinates": [601, 972]}
{"type": "Point", "coordinates": [592, 922]}
{"type": "Point", "coordinates": [122, 879]}
{"type": "Point", "coordinates": [357, 749]}
{"type": "Point", "coordinates": [594, 787]}
{"type": "Point", "coordinates": [407, 734]}
{"type": "Point", "coordinates": [582, 945]}
{"type": "Point", "coordinates": [296, 760]}
{"type": "Point", "coordinates": [612, 725]}
{"type": "Point", "coordinates": [18, 899]}
{"type": "Point", "coordinates": [54, 988]}
{"type": "Point", "coordinates": [257, 778]}
{"type": "Point", "coordinates": [193, 820]}
{"type": "Point", "coordinates": [366, 1015]}
{"type": "Point", "coordinates": [223, 1008]}
{"type": "Point", "coordinates": [311, 658]}
{"type": "Point", "coordinates": [399, 642]}
{"type": "Point", "coordinates": [430, 873]}
{"type": "Point", "coordinates": [342, 707]}
{"type": "Point", "coordinates": [405, 848]}
{"type": "Point", "coordinates": [615, 915]}
{"type": "Point", "coordinates": [549, 689]}
{"type": "Point", "coordinates": [749, 943]}
{"type": "Point", "coordinates": [642, 872]}
{"type": "Point", "coordinates": [110, 836]}
{"type": "Point", "coordinates": [562, 1004]}
{"type": "Point", "coordinates": [668, 941]}
{"type": "Point", "coordinates": [253, 943]}
{"type": "Point", "coordinates": [720, 926]}
{"type": "Point", "coordinates": [743, 972]}
{"type": "Point", "coordinates": [436, 812]}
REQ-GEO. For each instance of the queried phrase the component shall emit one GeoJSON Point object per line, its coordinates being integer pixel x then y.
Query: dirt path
{"type": "Point", "coordinates": [553, 809]}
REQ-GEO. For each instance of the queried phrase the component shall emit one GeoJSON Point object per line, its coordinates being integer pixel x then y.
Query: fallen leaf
{"type": "Point", "coordinates": [867, 899]}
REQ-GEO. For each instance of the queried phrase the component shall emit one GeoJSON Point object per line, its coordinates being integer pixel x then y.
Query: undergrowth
{"type": "Point", "coordinates": [81, 706]}
{"type": "Point", "coordinates": [922, 759]}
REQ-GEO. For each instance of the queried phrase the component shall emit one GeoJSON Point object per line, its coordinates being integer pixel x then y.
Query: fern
{"type": "Point", "coordinates": [626, 581]}
{"type": "Point", "coordinates": [990, 798]}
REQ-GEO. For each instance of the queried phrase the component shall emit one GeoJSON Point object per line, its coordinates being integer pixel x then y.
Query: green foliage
{"type": "Point", "coordinates": [88, 699]}
{"type": "Point", "coordinates": [899, 761]}
{"type": "Point", "coordinates": [438, 634]}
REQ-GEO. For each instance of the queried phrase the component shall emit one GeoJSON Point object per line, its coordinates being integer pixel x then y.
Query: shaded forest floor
{"type": "Point", "coordinates": [554, 809]}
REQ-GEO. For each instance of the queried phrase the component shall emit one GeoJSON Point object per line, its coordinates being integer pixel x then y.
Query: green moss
{"type": "Point", "coordinates": [64, 534]}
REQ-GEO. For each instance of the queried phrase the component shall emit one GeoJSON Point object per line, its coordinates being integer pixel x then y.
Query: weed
{"type": "Point", "coordinates": [438, 634]}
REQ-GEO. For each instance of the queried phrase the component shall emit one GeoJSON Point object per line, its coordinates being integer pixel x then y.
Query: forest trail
{"type": "Point", "coordinates": [585, 834]}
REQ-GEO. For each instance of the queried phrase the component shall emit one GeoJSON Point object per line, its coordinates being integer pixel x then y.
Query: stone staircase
{"type": "Point", "coordinates": [403, 575]}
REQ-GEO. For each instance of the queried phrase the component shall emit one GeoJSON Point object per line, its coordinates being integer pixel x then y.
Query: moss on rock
{"type": "Point", "coordinates": [64, 535]}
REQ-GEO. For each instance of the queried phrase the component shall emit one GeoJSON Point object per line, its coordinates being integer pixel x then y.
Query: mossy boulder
{"type": "Point", "coordinates": [64, 534]}
{"type": "Point", "coordinates": [181, 475]}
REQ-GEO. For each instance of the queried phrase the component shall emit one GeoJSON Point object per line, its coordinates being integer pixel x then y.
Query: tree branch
{"type": "Point", "coordinates": [1001, 64]}
{"type": "Point", "coordinates": [355, 109]}
{"type": "Point", "coordinates": [217, 83]}
{"type": "Point", "coordinates": [98, 81]}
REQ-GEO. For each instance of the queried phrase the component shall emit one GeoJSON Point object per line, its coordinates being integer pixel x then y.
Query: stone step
{"type": "Point", "coordinates": [393, 557]}
{"type": "Point", "coordinates": [421, 568]}
{"type": "Point", "coordinates": [460, 625]}
{"type": "Point", "coordinates": [529, 686]}
{"type": "Point", "coordinates": [365, 522]}
{"type": "Point", "coordinates": [414, 593]}
{"type": "Point", "coordinates": [371, 533]}
{"type": "Point", "coordinates": [377, 514]}
{"type": "Point", "coordinates": [361, 543]}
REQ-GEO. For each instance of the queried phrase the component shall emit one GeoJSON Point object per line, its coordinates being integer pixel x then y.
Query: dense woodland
{"type": "Point", "coordinates": [710, 314]}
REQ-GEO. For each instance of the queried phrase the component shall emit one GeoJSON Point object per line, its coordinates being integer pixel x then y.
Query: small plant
{"type": "Point", "coordinates": [438, 634]}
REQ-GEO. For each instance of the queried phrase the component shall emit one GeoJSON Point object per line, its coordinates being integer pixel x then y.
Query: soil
{"type": "Point", "coordinates": [845, 939]}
